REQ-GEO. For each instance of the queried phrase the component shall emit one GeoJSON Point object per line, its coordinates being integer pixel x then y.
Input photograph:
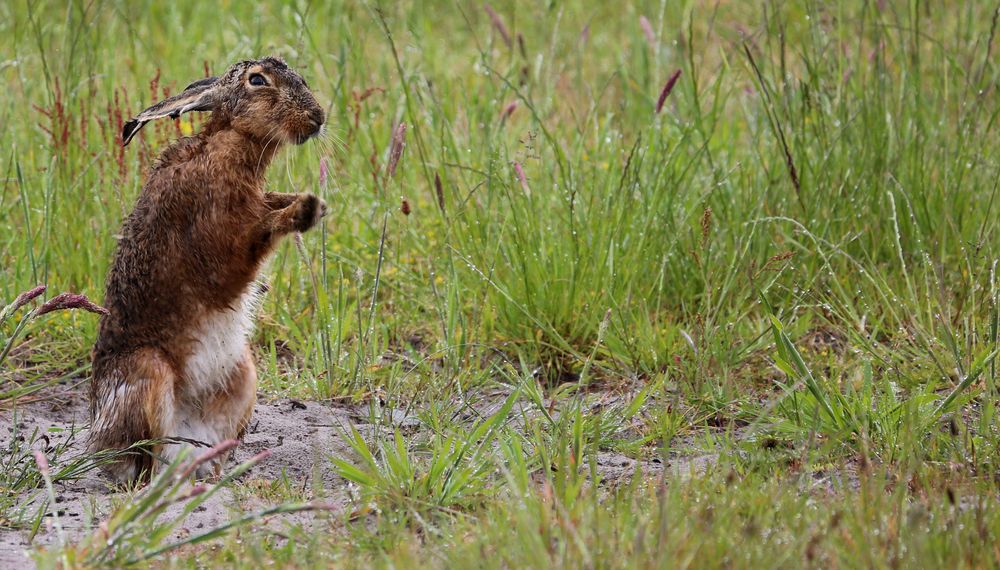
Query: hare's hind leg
{"type": "Point", "coordinates": [246, 387]}
{"type": "Point", "coordinates": [224, 415]}
{"type": "Point", "coordinates": [230, 410]}
{"type": "Point", "coordinates": [133, 400]}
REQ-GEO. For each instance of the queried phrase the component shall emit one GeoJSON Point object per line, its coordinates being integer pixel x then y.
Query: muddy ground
{"type": "Point", "coordinates": [301, 435]}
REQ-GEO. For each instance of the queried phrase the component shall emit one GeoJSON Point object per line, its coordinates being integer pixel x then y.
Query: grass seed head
{"type": "Point", "coordinates": [27, 297]}
{"type": "Point", "coordinates": [667, 88]}
{"type": "Point", "coordinates": [66, 301]}
{"type": "Point", "coordinates": [42, 462]}
{"type": "Point", "coordinates": [439, 190]}
{"type": "Point", "coordinates": [498, 24]}
{"type": "Point", "coordinates": [706, 225]}
{"type": "Point", "coordinates": [520, 176]}
{"type": "Point", "coordinates": [508, 110]}
{"type": "Point", "coordinates": [324, 171]}
{"type": "Point", "coordinates": [647, 30]}
{"type": "Point", "coordinates": [396, 150]}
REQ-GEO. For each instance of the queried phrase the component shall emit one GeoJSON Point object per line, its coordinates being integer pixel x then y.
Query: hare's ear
{"type": "Point", "coordinates": [199, 96]}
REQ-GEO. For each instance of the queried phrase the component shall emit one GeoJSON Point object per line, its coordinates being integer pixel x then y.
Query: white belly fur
{"type": "Point", "coordinates": [220, 344]}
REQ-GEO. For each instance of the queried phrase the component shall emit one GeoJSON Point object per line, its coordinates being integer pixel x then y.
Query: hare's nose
{"type": "Point", "coordinates": [317, 117]}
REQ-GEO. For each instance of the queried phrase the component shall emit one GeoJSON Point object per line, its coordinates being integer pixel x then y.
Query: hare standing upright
{"type": "Point", "coordinates": [172, 360]}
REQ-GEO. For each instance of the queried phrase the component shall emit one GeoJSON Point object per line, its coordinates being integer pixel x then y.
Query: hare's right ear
{"type": "Point", "coordinates": [199, 96]}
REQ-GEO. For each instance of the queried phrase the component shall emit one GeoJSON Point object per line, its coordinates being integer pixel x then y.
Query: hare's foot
{"type": "Point", "coordinates": [307, 212]}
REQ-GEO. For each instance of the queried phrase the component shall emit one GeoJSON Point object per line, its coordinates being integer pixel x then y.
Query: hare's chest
{"type": "Point", "coordinates": [219, 346]}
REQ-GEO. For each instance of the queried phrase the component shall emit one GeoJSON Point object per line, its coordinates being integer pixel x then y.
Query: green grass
{"type": "Point", "coordinates": [790, 267]}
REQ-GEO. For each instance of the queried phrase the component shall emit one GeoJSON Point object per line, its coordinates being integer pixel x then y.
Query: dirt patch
{"type": "Point", "coordinates": [301, 435]}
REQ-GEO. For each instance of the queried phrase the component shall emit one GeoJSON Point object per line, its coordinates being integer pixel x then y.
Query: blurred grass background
{"type": "Point", "coordinates": [663, 226]}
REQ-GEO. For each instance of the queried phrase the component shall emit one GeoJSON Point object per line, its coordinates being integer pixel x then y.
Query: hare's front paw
{"type": "Point", "coordinates": [309, 209]}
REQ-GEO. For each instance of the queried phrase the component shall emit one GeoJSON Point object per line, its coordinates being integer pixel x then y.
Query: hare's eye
{"type": "Point", "coordinates": [257, 79]}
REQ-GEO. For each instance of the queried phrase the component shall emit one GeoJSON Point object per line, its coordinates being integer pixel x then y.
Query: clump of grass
{"type": "Point", "coordinates": [871, 414]}
{"type": "Point", "coordinates": [142, 528]}
{"type": "Point", "coordinates": [21, 504]}
{"type": "Point", "coordinates": [19, 481]}
{"type": "Point", "coordinates": [452, 472]}
{"type": "Point", "coordinates": [61, 302]}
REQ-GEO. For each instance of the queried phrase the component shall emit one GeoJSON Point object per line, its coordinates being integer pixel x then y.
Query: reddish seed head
{"type": "Point", "coordinates": [396, 150]}
{"type": "Point", "coordinates": [439, 190]}
{"type": "Point", "coordinates": [261, 456]}
{"type": "Point", "coordinates": [42, 462]}
{"type": "Point", "coordinates": [647, 30]}
{"type": "Point", "coordinates": [192, 493]}
{"type": "Point", "coordinates": [498, 24]}
{"type": "Point", "coordinates": [28, 296]}
{"type": "Point", "coordinates": [66, 301]}
{"type": "Point", "coordinates": [216, 450]}
{"type": "Point", "coordinates": [520, 176]}
{"type": "Point", "coordinates": [213, 452]}
{"type": "Point", "coordinates": [405, 207]}
{"type": "Point", "coordinates": [324, 171]}
{"type": "Point", "coordinates": [508, 110]}
{"type": "Point", "coordinates": [667, 88]}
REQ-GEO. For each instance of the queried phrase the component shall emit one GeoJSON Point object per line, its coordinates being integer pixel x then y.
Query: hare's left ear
{"type": "Point", "coordinates": [199, 96]}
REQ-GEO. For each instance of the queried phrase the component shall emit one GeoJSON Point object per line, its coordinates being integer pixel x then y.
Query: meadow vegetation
{"type": "Point", "coordinates": [750, 247]}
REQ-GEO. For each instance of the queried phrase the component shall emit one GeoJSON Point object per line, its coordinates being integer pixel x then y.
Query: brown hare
{"type": "Point", "coordinates": [172, 361]}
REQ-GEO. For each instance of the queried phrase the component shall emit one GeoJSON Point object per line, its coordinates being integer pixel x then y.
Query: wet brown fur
{"type": "Point", "coordinates": [192, 247]}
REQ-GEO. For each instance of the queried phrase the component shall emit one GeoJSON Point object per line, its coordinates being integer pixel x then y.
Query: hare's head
{"type": "Point", "coordinates": [262, 99]}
